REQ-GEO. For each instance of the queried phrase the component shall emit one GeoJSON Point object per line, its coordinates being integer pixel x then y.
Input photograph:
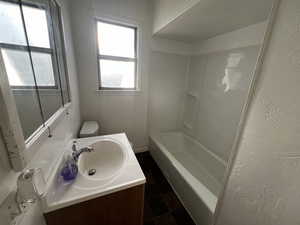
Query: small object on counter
{"type": "Point", "coordinates": [70, 169]}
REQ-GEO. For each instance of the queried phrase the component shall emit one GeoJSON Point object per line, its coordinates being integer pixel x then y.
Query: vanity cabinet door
{"type": "Point", "coordinates": [121, 208]}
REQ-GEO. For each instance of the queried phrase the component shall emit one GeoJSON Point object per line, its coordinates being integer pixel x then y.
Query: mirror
{"type": "Point", "coordinates": [32, 47]}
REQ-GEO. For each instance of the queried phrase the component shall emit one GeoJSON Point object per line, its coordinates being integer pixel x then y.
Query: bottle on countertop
{"type": "Point", "coordinates": [69, 170]}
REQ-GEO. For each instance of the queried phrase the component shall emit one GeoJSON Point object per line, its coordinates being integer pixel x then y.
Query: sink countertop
{"type": "Point", "coordinates": [61, 194]}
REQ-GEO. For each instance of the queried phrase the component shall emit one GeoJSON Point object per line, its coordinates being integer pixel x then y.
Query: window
{"type": "Point", "coordinates": [117, 57]}
{"type": "Point", "coordinates": [27, 29]}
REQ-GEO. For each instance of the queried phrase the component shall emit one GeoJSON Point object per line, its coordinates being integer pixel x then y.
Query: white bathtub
{"type": "Point", "coordinates": [195, 174]}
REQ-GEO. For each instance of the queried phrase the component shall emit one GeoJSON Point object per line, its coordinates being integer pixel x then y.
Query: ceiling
{"type": "Point", "coordinates": [209, 18]}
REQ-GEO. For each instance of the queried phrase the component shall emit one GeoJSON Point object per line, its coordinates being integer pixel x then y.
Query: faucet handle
{"type": "Point", "coordinates": [90, 149]}
{"type": "Point", "coordinates": [74, 146]}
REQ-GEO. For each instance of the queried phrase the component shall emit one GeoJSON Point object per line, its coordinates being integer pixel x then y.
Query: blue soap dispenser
{"type": "Point", "coordinates": [69, 170]}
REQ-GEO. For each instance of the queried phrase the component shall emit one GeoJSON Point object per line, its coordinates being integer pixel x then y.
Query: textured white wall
{"type": "Point", "coordinates": [263, 186]}
{"type": "Point", "coordinates": [62, 133]}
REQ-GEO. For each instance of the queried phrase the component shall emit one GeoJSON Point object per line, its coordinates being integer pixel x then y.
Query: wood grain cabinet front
{"type": "Point", "coordinates": [121, 208]}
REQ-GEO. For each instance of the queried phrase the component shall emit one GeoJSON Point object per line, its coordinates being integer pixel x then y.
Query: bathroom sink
{"type": "Point", "coordinates": [104, 162]}
{"type": "Point", "coordinates": [114, 166]}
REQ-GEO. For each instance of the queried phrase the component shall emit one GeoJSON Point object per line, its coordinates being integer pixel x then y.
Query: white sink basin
{"type": "Point", "coordinates": [116, 169]}
{"type": "Point", "coordinates": [104, 162]}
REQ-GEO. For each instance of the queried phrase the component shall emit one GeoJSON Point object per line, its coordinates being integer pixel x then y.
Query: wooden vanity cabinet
{"type": "Point", "coordinates": [120, 208]}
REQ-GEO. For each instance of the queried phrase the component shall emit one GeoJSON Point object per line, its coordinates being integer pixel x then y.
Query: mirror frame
{"type": "Point", "coordinates": [10, 127]}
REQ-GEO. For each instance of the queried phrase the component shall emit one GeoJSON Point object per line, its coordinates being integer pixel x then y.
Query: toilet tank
{"type": "Point", "coordinates": [89, 129]}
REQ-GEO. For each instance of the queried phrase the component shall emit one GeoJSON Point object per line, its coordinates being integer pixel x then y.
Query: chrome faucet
{"type": "Point", "coordinates": [76, 153]}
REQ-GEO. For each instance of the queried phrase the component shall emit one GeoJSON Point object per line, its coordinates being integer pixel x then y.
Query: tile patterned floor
{"type": "Point", "coordinates": [162, 206]}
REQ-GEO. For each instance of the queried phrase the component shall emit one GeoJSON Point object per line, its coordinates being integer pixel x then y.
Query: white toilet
{"type": "Point", "coordinates": [89, 129]}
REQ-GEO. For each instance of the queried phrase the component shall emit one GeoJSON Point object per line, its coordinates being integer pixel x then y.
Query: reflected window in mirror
{"type": "Point", "coordinates": [31, 41]}
{"type": "Point", "coordinates": [14, 46]}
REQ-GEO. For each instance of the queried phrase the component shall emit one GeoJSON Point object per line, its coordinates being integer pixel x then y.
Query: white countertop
{"type": "Point", "coordinates": [61, 194]}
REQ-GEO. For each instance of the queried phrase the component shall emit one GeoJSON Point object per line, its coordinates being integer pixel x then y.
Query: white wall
{"type": "Point", "coordinates": [166, 90]}
{"type": "Point", "coordinates": [62, 133]}
{"type": "Point", "coordinates": [167, 78]}
{"type": "Point", "coordinates": [115, 111]}
{"type": "Point", "coordinates": [263, 186]}
{"type": "Point", "coordinates": [247, 36]}
{"type": "Point", "coordinates": [166, 11]}
{"type": "Point", "coordinates": [209, 79]}
{"type": "Point", "coordinates": [220, 82]}
{"type": "Point", "coordinates": [219, 76]}
{"type": "Point", "coordinates": [171, 46]}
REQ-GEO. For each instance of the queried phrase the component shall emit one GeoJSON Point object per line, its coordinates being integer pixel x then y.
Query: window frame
{"type": "Point", "coordinates": [33, 49]}
{"type": "Point", "coordinates": [117, 58]}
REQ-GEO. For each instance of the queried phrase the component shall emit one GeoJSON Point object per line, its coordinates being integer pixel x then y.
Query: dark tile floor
{"type": "Point", "coordinates": [162, 206]}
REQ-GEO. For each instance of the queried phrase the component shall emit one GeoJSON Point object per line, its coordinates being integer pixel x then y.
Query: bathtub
{"type": "Point", "coordinates": [194, 173]}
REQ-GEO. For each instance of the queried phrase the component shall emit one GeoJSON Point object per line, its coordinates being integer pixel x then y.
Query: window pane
{"type": "Point", "coordinates": [117, 74]}
{"type": "Point", "coordinates": [17, 64]}
{"type": "Point", "coordinates": [36, 26]}
{"type": "Point", "coordinates": [116, 40]}
{"type": "Point", "coordinates": [29, 111]}
{"type": "Point", "coordinates": [11, 25]}
{"type": "Point", "coordinates": [43, 69]}
{"type": "Point", "coordinates": [18, 67]}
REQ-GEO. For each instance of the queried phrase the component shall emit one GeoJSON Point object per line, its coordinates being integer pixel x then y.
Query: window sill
{"type": "Point", "coordinates": [119, 92]}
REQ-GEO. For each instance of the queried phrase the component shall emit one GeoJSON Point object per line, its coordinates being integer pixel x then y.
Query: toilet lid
{"type": "Point", "coordinates": [89, 127]}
